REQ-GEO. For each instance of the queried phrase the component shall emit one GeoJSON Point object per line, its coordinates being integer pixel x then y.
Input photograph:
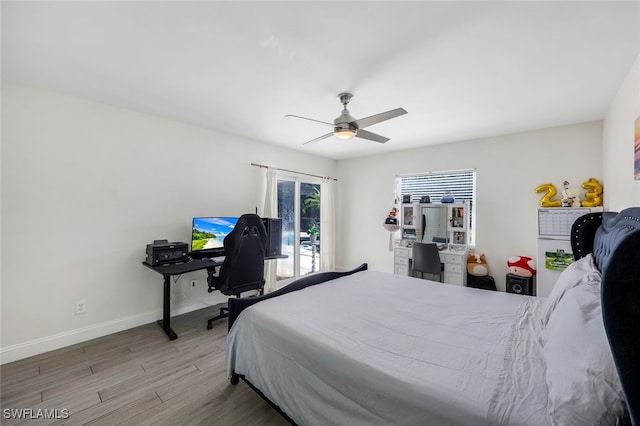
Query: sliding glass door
{"type": "Point", "coordinates": [286, 212]}
{"type": "Point", "coordinates": [299, 209]}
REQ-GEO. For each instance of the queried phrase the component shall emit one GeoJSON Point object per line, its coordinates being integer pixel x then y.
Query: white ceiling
{"type": "Point", "coordinates": [462, 70]}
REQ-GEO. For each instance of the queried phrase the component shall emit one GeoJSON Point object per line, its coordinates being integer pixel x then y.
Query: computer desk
{"type": "Point", "coordinates": [168, 271]}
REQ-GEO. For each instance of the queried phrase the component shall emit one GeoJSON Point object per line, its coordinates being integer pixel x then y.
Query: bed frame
{"type": "Point", "coordinates": [614, 240]}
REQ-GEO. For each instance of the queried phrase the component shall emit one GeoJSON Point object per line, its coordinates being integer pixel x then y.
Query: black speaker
{"type": "Point", "coordinates": [519, 285]}
{"type": "Point", "coordinates": [274, 236]}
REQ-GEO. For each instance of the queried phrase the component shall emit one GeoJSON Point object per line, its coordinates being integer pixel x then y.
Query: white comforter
{"type": "Point", "coordinates": [382, 349]}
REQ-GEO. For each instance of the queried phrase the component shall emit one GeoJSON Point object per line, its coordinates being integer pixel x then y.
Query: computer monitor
{"type": "Point", "coordinates": [207, 234]}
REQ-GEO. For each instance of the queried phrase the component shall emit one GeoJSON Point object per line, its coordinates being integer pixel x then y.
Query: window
{"type": "Point", "coordinates": [461, 184]}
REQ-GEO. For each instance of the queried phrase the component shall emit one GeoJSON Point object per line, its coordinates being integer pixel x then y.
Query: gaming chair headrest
{"type": "Point", "coordinates": [248, 224]}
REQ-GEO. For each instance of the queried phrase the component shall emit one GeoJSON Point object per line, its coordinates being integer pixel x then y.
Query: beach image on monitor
{"type": "Point", "coordinates": [209, 232]}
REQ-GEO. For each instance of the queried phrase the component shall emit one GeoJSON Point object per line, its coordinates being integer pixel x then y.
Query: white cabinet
{"type": "Point", "coordinates": [458, 228]}
{"type": "Point", "coordinates": [410, 216]}
{"type": "Point", "coordinates": [454, 264]}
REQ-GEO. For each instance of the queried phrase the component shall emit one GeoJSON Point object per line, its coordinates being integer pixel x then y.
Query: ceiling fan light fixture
{"type": "Point", "coordinates": [344, 133]}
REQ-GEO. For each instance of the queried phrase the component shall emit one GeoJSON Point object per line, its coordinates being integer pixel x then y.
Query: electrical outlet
{"type": "Point", "coordinates": [194, 283]}
{"type": "Point", "coordinates": [81, 307]}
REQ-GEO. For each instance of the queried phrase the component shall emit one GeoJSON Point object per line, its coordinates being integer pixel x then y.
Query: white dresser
{"type": "Point", "coordinates": [455, 261]}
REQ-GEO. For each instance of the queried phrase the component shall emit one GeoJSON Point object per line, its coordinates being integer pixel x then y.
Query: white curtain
{"type": "Point", "coordinates": [327, 225]}
{"type": "Point", "coordinates": [270, 210]}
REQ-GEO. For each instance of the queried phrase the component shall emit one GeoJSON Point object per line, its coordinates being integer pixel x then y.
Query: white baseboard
{"type": "Point", "coordinates": [72, 337]}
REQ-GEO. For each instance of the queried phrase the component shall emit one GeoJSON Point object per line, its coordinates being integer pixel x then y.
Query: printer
{"type": "Point", "coordinates": [162, 252]}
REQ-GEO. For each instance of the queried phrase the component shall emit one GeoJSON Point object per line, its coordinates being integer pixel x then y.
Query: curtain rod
{"type": "Point", "coordinates": [262, 166]}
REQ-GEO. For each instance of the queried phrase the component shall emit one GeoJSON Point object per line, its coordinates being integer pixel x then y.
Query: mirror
{"type": "Point", "coordinates": [434, 223]}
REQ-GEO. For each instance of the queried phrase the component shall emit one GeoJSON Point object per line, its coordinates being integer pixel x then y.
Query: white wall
{"type": "Point", "coordinates": [509, 168]}
{"type": "Point", "coordinates": [85, 187]}
{"type": "Point", "coordinates": [620, 188]}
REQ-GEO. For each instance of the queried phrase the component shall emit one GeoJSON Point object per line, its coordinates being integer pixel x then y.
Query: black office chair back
{"type": "Point", "coordinates": [243, 266]}
{"type": "Point", "coordinates": [426, 259]}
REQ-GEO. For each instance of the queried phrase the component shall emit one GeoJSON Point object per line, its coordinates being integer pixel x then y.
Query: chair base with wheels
{"type": "Point", "coordinates": [224, 313]}
{"type": "Point", "coordinates": [213, 282]}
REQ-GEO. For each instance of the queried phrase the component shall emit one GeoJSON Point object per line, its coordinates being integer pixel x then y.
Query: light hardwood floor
{"type": "Point", "coordinates": [137, 377]}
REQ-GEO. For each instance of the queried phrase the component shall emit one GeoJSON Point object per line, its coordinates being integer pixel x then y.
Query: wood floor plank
{"type": "Point", "coordinates": [198, 384]}
{"type": "Point", "coordinates": [37, 360]}
{"type": "Point", "coordinates": [214, 360]}
{"type": "Point", "coordinates": [83, 359]}
{"type": "Point", "coordinates": [187, 356]}
{"type": "Point", "coordinates": [126, 411]}
{"type": "Point", "coordinates": [11, 375]}
{"type": "Point", "coordinates": [138, 377]}
{"type": "Point", "coordinates": [59, 376]}
{"type": "Point", "coordinates": [98, 411]}
{"type": "Point", "coordinates": [243, 406]}
{"type": "Point", "coordinates": [175, 412]}
{"type": "Point", "coordinates": [21, 399]}
{"type": "Point", "coordinates": [151, 355]}
{"type": "Point", "coordinates": [94, 382]}
{"type": "Point", "coordinates": [71, 403]}
{"type": "Point", "coordinates": [147, 383]}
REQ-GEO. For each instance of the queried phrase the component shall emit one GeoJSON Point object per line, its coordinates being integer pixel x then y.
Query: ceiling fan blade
{"type": "Point", "coordinates": [319, 138]}
{"type": "Point", "coordinates": [310, 119]}
{"type": "Point", "coordinates": [364, 134]}
{"type": "Point", "coordinates": [377, 118]}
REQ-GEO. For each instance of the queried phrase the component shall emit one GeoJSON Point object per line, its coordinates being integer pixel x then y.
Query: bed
{"type": "Point", "coordinates": [369, 348]}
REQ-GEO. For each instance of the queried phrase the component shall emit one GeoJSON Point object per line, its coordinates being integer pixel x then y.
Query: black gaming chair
{"type": "Point", "coordinates": [243, 266]}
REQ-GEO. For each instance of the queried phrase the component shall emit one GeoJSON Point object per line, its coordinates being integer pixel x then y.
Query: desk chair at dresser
{"type": "Point", "coordinates": [426, 258]}
{"type": "Point", "coordinates": [243, 266]}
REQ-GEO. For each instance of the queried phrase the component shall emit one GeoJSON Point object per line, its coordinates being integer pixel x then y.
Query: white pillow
{"type": "Point", "coordinates": [582, 380]}
{"type": "Point", "coordinates": [581, 271]}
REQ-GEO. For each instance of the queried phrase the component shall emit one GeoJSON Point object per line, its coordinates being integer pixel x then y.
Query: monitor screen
{"type": "Point", "coordinates": [209, 232]}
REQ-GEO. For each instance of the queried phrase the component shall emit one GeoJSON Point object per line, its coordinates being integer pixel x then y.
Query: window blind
{"type": "Point", "coordinates": [460, 184]}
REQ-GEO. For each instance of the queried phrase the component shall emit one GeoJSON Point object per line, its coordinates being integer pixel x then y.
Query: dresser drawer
{"type": "Point", "coordinates": [402, 252]}
{"type": "Point", "coordinates": [401, 260]}
{"type": "Point", "coordinates": [452, 267]}
{"type": "Point", "coordinates": [401, 269]}
{"type": "Point", "coordinates": [453, 258]}
{"type": "Point", "coordinates": [455, 279]}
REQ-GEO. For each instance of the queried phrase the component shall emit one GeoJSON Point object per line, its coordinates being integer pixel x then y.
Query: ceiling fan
{"type": "Point", "coordinates": [347, 127]}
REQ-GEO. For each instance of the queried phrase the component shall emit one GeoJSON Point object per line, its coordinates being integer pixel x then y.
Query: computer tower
{"type": "Point", "coordinates": [520, 285]}
{"type": "Point", "coordinates": [274, 236]}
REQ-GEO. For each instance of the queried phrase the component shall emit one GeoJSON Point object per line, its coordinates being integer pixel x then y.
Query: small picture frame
{"type": "Point", "coordinates": [406, 198]}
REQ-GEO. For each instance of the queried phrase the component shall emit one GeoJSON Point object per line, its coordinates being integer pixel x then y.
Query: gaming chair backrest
{"type": "Point", "coordinates": [243, 266]}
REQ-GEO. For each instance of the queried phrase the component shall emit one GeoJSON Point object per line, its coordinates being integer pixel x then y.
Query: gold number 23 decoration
{"type": "Point", "coordinates": [593, 194]}
{"type": "Point", "coordinates": [594, 190]}
{"type": "Point", "coordinates": [547, 199]}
